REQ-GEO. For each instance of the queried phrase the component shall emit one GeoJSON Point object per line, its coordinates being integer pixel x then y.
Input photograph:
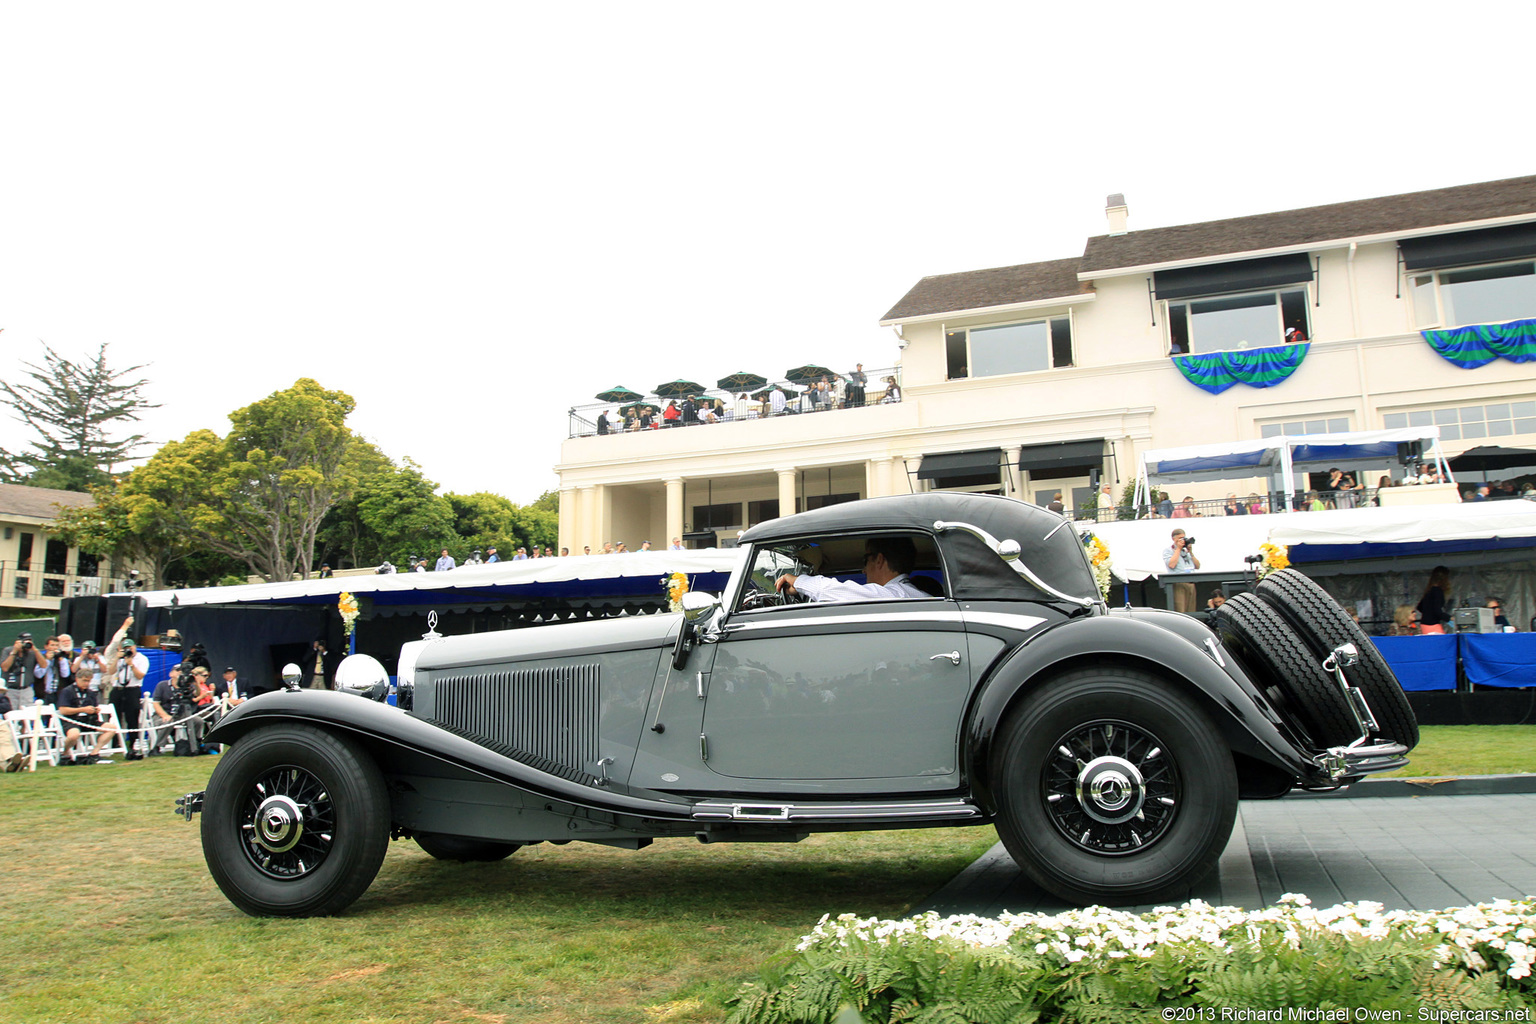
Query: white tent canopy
{"type": "Point", "coordinates": [499, 575]}
{"type": "Point", "coordinates": [1136, 546]}
{"type": "Point", "coordinates": [1277, 457]}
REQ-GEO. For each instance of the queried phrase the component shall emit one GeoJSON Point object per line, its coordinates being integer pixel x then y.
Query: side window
{"type": "Point", "coordinates": [842, 558]}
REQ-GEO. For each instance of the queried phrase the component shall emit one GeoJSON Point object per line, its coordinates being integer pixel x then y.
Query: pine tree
{"type": "Point", "coordinates": [74, 407]}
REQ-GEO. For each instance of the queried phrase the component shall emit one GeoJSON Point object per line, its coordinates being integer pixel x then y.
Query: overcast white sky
{"type": "Point", "coordinates": [473, 216]}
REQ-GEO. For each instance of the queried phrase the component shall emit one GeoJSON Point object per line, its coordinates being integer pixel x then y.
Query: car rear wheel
{"type": "Point", "coordinates": [1284, 661]}
{"type": "Point", "coordinates": [1324, 625]}
{"type": "Point", "coordinates": [463, 848]}
{"type": "Point", "coordinates": [295, 822]}
{"type": "Point", "coordinates": [1113, 787]}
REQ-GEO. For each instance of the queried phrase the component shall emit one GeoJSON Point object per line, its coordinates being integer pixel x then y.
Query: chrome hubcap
{"type": "Point", "coordinates": [279, 824]}
{"type": "Point", "coordinates": [1110, 787]}
{"type": "Point", "coordinates": [288, 824]}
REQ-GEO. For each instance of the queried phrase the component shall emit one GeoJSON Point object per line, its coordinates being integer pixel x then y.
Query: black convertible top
{"type": "Point", "coordinates": [1051, 547]}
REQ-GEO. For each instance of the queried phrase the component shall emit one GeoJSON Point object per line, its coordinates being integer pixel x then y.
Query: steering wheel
{"type": "Point", "coordinates": [761, 599]}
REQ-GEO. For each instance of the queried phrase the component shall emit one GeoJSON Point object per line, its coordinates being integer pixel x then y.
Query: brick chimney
{"type": "Point", "coordinates": [1115, 210]}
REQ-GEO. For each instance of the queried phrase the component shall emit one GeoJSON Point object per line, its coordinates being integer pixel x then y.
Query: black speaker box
{"type": "Point", "coordinates": [119, 607]}
{"type": "Point", "coordinates": [81, 618]}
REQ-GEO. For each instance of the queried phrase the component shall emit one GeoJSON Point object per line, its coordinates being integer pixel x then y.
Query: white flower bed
{"type": "Point", "coordinates": [1464, 933]}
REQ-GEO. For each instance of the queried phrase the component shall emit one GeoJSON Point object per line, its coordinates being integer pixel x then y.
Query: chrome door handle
{"type": "Point", "coordinates": [953, 656]}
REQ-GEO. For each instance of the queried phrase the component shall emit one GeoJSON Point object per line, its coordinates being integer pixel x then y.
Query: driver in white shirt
{"type": "Point", "coordinates": [887, 561]}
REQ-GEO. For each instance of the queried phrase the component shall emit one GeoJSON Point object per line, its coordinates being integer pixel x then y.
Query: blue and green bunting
{"type": "Point", "coordinates": [1479, 345]}
{"type": "Point", "coordinates": [1256, 367]}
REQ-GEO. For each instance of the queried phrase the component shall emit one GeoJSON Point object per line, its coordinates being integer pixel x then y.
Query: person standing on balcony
{"type": "Point", "coordinates": [776, 401]}
{"type": "Point", "coordinates": [857, 382]}
{"type": "Point", "coordinates": [444, 562]}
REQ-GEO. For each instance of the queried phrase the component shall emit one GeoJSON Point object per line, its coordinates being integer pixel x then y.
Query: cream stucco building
{"type": "Point", "coordinates": [1026, 380]}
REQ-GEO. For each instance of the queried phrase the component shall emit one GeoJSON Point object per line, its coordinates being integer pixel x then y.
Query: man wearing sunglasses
{"type": "Point", "coordinates": [887, 561]}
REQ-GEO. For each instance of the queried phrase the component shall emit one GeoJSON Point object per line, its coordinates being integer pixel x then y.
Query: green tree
{"type": "Point", "coordinates": [257, 495]}
{"type": "Point", "coordinates": [404, 516]}
{"type": "Point", "coordinates": [75, 409]}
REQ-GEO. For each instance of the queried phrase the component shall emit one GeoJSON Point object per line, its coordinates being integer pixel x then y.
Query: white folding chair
{"type": "Point", "coordinates": [118, 744]}
{"type": "Point", "coordinates": [34, 734]}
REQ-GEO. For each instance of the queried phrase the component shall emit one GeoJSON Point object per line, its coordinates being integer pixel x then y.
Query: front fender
{"type": "Point", "coordinates": [380, 724]}
{"type": "Point", "coordinates": [1173, 650]}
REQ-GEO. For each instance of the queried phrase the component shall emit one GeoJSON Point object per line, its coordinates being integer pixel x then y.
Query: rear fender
{"type": "Point", "coordinates": [1176, 651]}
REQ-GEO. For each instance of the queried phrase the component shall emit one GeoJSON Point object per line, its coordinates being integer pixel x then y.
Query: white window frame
{"type": "Point", "coordinates": [1050, 345]}
{"type": "Point", "coordinates": [1305, 288]}
{"type": "Point", "coordinates": [1439, 320]}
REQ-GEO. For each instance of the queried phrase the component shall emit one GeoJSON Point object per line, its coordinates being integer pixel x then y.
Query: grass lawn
{"type": "Point", "coordinates": [123, 924]}
{"type": "Point", "coordinates": [1471, 750]}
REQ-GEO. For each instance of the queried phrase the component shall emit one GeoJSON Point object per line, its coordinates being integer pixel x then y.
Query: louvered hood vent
{"type": "Point", "coordinates": [550, 713]}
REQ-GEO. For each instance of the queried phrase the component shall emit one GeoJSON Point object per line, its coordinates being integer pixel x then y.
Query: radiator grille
{"type": "Point", "coordinates": [550, 713]}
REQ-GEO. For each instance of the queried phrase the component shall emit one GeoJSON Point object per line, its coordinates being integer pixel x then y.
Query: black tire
{"type": "Point", "coordinates": [1324, 625]}
{"type": "Point", "coordinates": [295, 822]}
{"type": "Point", "coordinates": [1279, 656]}
{"type": "Point", "coordinates": [463, 848]}
{"type": "Point", "coordinates": [1163, 783]}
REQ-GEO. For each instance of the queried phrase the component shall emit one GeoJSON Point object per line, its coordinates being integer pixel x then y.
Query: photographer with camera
{"type": "Point", "coordinates": [122, 682]}
{"type": "Point", "coordinates": [88, 664]}
{"type": "Point", "coordinates": [16, 667]}
{"type": "Point", "coordinates": [176, 700]}
{"type": "Point", "coordinates": [1180, 558]}
{"type": "Point", "coordinates": [52, 672]}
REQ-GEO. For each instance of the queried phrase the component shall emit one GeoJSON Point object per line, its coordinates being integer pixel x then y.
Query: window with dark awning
{"type": "Point", "coordinates": [953, 464]}
{"type": "Point", "coordinates": [1062, 458]}
{"type": "Point", "coordinates": [1465, 248]}
{"type": "Point", "coordinates": [1238, 276]}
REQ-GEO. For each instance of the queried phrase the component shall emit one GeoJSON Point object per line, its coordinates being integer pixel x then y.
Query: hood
{"type": "Point", "coordinates": [571, 639]}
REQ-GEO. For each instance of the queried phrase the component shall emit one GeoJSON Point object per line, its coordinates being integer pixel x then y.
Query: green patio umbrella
{"type": "Point", "coordinates": [788, 392]}
{"type": "Point", "coordinates": [738, 382]}
{"type": "Point", "coordinates": [618, 394]}
{"type": "Point", "coordinates": [810, 373]}
{"type": "Point", "coordinates": [678, 389]}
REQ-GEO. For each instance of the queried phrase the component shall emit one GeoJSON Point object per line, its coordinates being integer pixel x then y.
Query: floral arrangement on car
{"type": "Point", "coordinates": [347, 605]}
{"type": "Point", "coordinates": [1272, 558]}
{"type": "Point", "coordinates": [676, 585]}
{"type": "Point", "coordinates": [1098, 554]}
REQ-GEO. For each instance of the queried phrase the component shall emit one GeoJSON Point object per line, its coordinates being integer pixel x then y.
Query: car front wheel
{"type": "Point", "coordinates": [295, 822]}
{"type": "Point", "coordinates": [1113, 787]}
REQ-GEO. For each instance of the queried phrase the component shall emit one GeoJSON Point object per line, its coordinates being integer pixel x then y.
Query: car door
{"type": "Point", "coordinates": [866, 696]}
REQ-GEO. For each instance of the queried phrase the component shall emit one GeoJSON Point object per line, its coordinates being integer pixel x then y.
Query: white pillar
{"type": "Point", "coordinates": [674, 509]}
{"type": "Point", "coordinates": [1013, 477]}
{"type": "Point", "coordinates": [786, 491]}
{"type": "Point", "coordinates": [570, 517]}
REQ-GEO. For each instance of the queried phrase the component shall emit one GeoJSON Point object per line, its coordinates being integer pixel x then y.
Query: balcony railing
{"type": "Point", "coordinates": [32, 585]}
{"type": "Point", "coordinates": [583, 418]}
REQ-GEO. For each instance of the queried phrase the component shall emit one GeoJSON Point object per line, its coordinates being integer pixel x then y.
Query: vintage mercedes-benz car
{"type": "Point", "coordinates": [1110, 747]}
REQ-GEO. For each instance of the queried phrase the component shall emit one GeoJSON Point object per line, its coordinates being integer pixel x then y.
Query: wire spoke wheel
{"type": "Point", "coordinates": [1111, 787]}
{"type": "Point", "coordinates": [288, 824]}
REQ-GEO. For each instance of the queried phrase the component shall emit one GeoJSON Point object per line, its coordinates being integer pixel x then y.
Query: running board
{"type": "Point", "coordinates": [766, 811]}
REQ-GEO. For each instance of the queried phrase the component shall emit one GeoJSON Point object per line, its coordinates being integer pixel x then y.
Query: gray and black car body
{"type": "Point", "coordinates": [1109, 746]}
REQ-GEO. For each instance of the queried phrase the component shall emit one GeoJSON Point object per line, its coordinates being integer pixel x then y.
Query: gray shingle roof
{"type": "Point", "coordinates": [38, 502]}
{"type": "Point", "coordinates": [1386, 215]}
{"type": "Point", "coordinates": [1400, 214]}
{"type": "Point", "coordinates": [999, 286]}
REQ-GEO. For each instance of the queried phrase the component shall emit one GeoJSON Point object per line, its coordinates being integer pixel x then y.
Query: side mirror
{"type": "Point", "coordinates": [698, 606]}
{"type": "Point", "coordinates": [697, 609]}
